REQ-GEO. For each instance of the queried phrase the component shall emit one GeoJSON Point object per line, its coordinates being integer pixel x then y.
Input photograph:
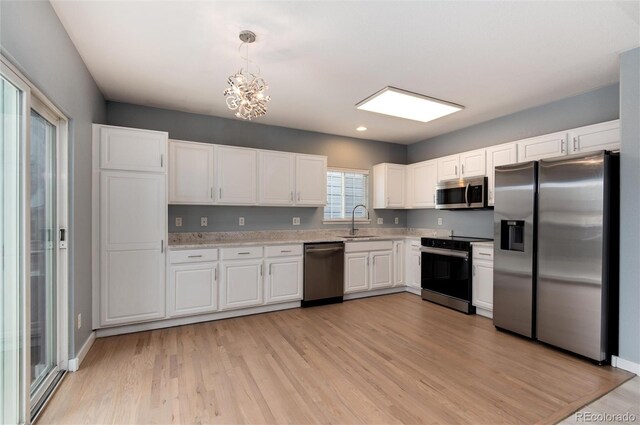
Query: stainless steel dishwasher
{"type": "Point", "coordinates": [323, 273]}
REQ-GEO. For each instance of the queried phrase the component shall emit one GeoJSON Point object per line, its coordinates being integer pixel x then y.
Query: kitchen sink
{"type": "Point", "coordinates": [357, 236]}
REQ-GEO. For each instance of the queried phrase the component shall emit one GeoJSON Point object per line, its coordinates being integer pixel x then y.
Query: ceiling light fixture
{"type": "Point", "coordinates": [361, 128]}
{"type": "Point", "coordinates": [405, 104]}
{"type": "Point", "coordinates": [246, 92]}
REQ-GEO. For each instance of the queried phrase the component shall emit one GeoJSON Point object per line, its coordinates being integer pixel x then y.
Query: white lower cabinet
{"type": "Point", "coordinates": [398, 263]}
{"type": "Point", "coordinates": [413, 264]}
{"type": "Point", "coordinates": [356, 272]}
{"type": "Point", "coordinates": [482, 280]}
{"type": "Point", "coordinates": [368, 266]}
{"type": "Point", "coordinates": [381, 269]}
{"type": "Point", "coordinates": [193, 289]}
{"type": "Point", "coordinates": [283, 281]}
{"type": "Point", "coordinates": [241, 284]}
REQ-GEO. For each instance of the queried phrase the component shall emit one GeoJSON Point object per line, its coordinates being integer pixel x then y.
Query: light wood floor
{"type": "Point", "coordinates": [389, 359]}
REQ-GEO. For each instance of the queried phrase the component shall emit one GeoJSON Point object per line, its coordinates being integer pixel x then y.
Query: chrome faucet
{"type": "Point", "coordinates": [353, 218]}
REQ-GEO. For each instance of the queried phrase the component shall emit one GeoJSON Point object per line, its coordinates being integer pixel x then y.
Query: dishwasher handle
{"type": "Point", "coordinates": [324, 249]}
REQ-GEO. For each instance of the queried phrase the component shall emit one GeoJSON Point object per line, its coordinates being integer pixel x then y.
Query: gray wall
{"type": "Point", "coordinates": [584, 109]}
{"type": "Point", "coordinates": [630, 206]}
{"type": "Point", "coordinates": [32, 37]}
{"type": "Point", "coordinates": [341, 151]}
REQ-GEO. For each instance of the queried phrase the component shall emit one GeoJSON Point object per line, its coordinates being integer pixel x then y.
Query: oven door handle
{"type": "Point", "coordinates": [446, 252]}
{"type": "Point", "coordinates": [466, 194]}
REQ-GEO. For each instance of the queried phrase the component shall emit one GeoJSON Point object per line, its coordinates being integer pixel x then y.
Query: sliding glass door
{"type": "Point", "coordinates": [33, 278]}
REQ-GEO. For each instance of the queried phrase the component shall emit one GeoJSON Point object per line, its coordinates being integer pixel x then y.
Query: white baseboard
{"type": "Point", "coordinates": [412, 290]}
{"type": "Point", "coordinates": [179, 321]}
{"type": "Point", "coordinates": [627, 365]}
{"type": "Point", "coordinates": [484, 313]}
{"type": "Point", "coordinates": [374, 293]}
{"type": "Point", "coordinates": [74, 364]}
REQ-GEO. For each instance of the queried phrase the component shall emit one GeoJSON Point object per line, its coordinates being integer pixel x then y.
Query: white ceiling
{"type": "Point", "coordinates": [321, 58]}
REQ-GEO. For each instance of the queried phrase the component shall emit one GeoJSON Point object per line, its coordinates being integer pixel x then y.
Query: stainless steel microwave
{"type": "Point", "coordinates": [462, 194]}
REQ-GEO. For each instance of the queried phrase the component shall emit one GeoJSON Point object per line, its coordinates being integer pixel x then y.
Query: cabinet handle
{"type": "Point", "coordinates": [456, 169]}
{"type": "Point", "coordinates": [220, 193]}
{"type": "Point", "coordinates": [462, 167]}
{"type": "Point", "coordinates": [194, 256]}
{"type": "Point", "coordinates": [484, 253]}
{"type": "Point", "coordinates": [161, 160]}
{"type": "Point", "coordinates": [562, 146]}
{"type": "Point", "coordinates": [285, 250]}
{"type": "Point", "coordinates": [270, 264]}
{"type": "Point", "coordinates": [162, 246]}
{"type": "Point", "coordinates": [474, 270]}
{"type": "Point", "coordinates": [260, 269]}
{"type": "Point", "coordinates": [298, 196]}
{"type": "Point", "coordinates": [292, 195]}
{"type": "Point", "coordinates": [420, 261]}
{"type": "Point", "coordinates": [388, 200]}
{"type": "Point", "coordinates": [374, 261]}
{"type": "Point", "coordinates": [215, 274]}
{"type": "Point", "coordinates": [244, 253]}
{"type": "Point", "coordinates": [575, 144]}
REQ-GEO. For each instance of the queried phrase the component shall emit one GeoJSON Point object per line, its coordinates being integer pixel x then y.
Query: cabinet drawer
{"type": "Point", "coordinates": [483, 253]}
{"type": "Point", "coordinates": [193, 256]}
{"type": "Point", "coordinates": [283, 251]}
{"type": "Point", "coordinates": [368, 246]}
{"type": "Point", "coordinates": [241, 253]}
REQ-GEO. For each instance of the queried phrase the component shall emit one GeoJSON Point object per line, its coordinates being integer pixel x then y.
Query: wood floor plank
{"type": "Point", "coordinates": [388, 359]}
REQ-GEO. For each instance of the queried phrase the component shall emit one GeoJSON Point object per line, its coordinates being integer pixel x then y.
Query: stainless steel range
{"type": "Point", "coordinates": [446, 271]}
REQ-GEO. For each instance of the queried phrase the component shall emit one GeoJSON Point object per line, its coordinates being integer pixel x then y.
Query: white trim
{"type": "Point", "coordinates": [484, 313]}
{"type": "Point", "coordinates": [74, 364]}
{"type": "Point", "coordinates": [179, 321]}
{"type": "Point", "coordinates": [348, 170]}
{"type": "Point", "coordinates": [374, 293]}
{"type": "Point", "coordinates": [624, 364]}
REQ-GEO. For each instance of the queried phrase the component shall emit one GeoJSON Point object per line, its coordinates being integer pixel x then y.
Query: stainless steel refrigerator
{"type": "Point", "coordinates": [556, 252]}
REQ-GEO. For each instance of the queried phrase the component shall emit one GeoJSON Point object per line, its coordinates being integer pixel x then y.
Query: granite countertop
{"type": "Point", "coordinates": [178, 241]}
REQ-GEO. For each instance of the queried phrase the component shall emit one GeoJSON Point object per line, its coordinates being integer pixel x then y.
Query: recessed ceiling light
{"type": "Point", "coordinates": [362, 128]}
{"type": "Point", "coordinates": [405, 104]}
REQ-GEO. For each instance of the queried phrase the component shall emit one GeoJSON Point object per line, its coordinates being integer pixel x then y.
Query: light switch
{"type": "Point", "coordinates": [203, 221]}
{"type": "Point", "coordinates": [240, 221]}
{"type": "Point", "coordinates": [178, 221]}
{"type": "Point", "coordinates": [296, 221]}
{"type": "Point", "coordinates": [439, 221]}
{"type": "Point", "coordinates": [397, 220]}
{"type": "Point", "coordinates": [380, 220]}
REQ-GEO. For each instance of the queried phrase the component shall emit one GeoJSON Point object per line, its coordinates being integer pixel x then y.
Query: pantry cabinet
{"type": "Point", "coordinates": [595, 137]}
{"type": "Point", "coordinates": [236, 175]}
{"type": "Point", "coordinates": [389, 186]}
{"type": "Point", "coordinates": [191, 173]}
{"type": "Point", "coordinates": [504, 154]}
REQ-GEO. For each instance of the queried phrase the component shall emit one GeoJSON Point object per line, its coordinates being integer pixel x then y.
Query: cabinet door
{"type": "Point", "coordinates": [394, 185]}
{"type": "Point", "coordinates": [547, 146]}
{"type": "Point", "coordinates": [132, 260]}
{"type": "Point", "coordinates": [276, 172]}
{"type": "Point", "coordinates": [595, 137]}
{"type": "Point", "coordinates": [356, 272]}
{"type": "Point", "coordinates": [190, 173]}
{"type": "Point", "coordinates": [241, 284]}
{"type": "Point", "coordinates": [483, 285]}
{"type": "Point", "coordinates": [284, 280]}
{"type": "Point", "coordinates": [499, 155]}
{"type": "Point", "coordinates": [449, 168]}
{"type": "Point", "coordinates": [311, 180]}
{"type": "Point", "coordinates": [193, 289]}
{"type": "Point", "coordinates": [398, 263]}
{"type": "Point", "coordinates": [132, 149]}
{"type": "Point", "coordinates": [381, 269]}
{"type": "Point", "coordinates": [236, 175]}
{"type": "Point", "coordinates": [413, 266]}
{"type": "Point", "coordinates": [473, 163]}
{"type": "Point", "coordinates": [424, 176]}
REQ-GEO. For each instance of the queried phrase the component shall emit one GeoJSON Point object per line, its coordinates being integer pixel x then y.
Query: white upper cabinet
{"type": "Point", "coordinates": [449, 168]}
{"type": "Point", "coordinates": [276, 176]}
{"type": "Point", "coordinates": [236, 175]}
{"type": "Point", "coordinates": [422, 178]}
{"type": "Point", "coordinates": [132, 149]}
{"type": "Point", "coordinates": [389, 186]}
{"type": "Point", "coordinates": [541, 147]}
{"type": "Point", "coordinates": [595, 137]}
{"type": "Point", "coordinates": [473, 163]}
{"type": "Point", "coordinates": [311, 180]}
{"type": "Point", "coordinates": [499, 155]}
{"type": "Point", "coordinates": [191, 175]}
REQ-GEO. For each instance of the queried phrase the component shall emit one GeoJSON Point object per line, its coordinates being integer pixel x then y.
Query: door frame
{"type": "Point", "coordinates": [35, 99]}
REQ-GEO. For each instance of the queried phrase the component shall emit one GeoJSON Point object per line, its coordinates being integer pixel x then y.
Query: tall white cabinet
{"type": "Point", "coordinates": [129, 225]}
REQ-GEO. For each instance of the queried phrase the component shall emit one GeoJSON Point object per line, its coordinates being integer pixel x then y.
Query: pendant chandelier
{"type": "Point", "coordinates": [246, 91]}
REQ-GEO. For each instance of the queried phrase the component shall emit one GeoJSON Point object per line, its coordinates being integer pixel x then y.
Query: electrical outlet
{"type": "Point", "coordinates": [178, 221]}
{"type": "Point", "coordinates": [240, 221]}
{"type": "Point", "coordinates": [439, 221]}
{"type": "Point", "coordinates": [203, 222]}
{"type": "Point", "coordinates": [296, 221]}
{"type": "Point", "coordinates": [380, 220]}
{"type": "Point", "coordinates": [79, 320]}
{"type": "Point", "coordinates": [396, 220]}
